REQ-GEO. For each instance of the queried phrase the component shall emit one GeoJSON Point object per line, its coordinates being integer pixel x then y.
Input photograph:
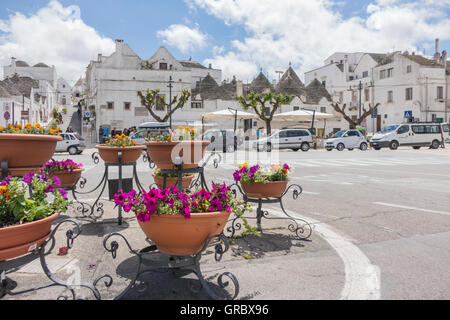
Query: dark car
{"type": "Point", "coordinates": [221, 140]}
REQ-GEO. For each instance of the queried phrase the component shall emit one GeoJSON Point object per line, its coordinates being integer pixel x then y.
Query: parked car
{"type": "Point", "coordinates": [295, 139]}
{"type": "Point", "coordinates": [71, 143]}
{"type": "Point", "coordinates": [221, 140]}
{"type": "Point", "coordinates": [347, 139]}
{"type": "Point", "coordinates": [416, 135]}
{"type": "Point", "coordinates": [141, 135]}
{"type": "Point", "coordinates": [446, 132]}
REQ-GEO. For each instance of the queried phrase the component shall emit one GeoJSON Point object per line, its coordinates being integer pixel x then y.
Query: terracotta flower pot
{"type": "Point", "coordinates": [265, 190]}
{"type": "Point", "coordinates": [27, 150]}
{"type": "Point", "coordinates": [111, 154]}
{"type": "Point", "coordinates": [68, 179]}
{"type": "Point", "coordinates": [163, 153]}
{"type": "Point", "coordinates": [185, 181]}
{"type": "Point", "coordinates": [18, 240]}
{"type": "Point", "coordinates": [175, 235]}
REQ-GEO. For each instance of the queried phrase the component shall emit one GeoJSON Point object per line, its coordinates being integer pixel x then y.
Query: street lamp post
{"type": "Point", "coordinates": [170, 86]}
{"type": "Point", "coordinates": [235, 127]}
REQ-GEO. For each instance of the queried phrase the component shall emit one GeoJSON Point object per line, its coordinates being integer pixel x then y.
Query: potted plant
{"type": "Point", "coordinates": [64, 110]}
{"type": "Point", "coordinates": [109, 151]}
{"type": "Point", "coordinates": [28, 146]}
{"type": "Point", "coordinates": [28, 207]}
{"type": "Point", "coordinates": [179, 223]}
{"type": "Point", "coordinates": [172, 179]}
{"type": "Point", "coordinates": [258, 182]}
{"type": "Point", "coordinates": [68, 172]}
{"type": "Point", "coordinates": [164, 148]}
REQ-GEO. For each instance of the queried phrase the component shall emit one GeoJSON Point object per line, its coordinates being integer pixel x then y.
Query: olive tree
{"type": "Point", "coordinates": [151, 98]}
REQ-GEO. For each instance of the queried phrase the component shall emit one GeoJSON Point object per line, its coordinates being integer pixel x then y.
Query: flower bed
{"type": "Point", "coordinates": [109, 151]}
{"type": "Point", "coordinates": [68, 171]}
{"type": "Point", "coordinates": [258, 182]}
{"type": "Point", "coordinates": [26, 217]}
{"type": "Point", "coordinates": [164, 148]}
{"type": "Point", "coordinates": [181, 223]}
{"type": "Point", "coordinates": [172, 179]}
{"type": "Point", "coordinates": [28, 146]}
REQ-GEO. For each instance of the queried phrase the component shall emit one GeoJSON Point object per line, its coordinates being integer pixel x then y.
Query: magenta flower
{"type": "Point", "coordinates": [143, 217]}
{"type": "Point", "coordinates": [48, 189]}
{"type": "Point", "coordinates": [63, 193]}
{"type": "Point", "coordinates": [28, 177]}
{"type": "Point", "coordinates": [285, 166]}
{"type": "Point", "coordinates": [56, 181]}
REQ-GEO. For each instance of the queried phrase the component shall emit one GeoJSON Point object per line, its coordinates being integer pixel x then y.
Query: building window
{"type": "Point", "coordinates": [390, 96]}
{"type": "Point", "coordinates": [64, 101]}
{"type": "Point", "coordinates": [440, 93]}
{"type": "Point", "coordinates": [390, 72]}
{"type": "Point", "coordinates": [296, 108]}
{"type": "Point", "coordinates": [110, 105]}
{"type": "Point", "coordinates": [323, 109]}
{"type": "Point", "coordinates": [197, 105]}
{"type": "Point", "coordinates": [366, 94]}
{"type": "Point", "coordinates": [365, 74]}
{"type": "Point", "coordinates": [408, 69]}
{"type": "Point", "coordinates": [64, 85]}
{"type": "Point", "coordinates": [159, 106]}
{"type": "Point", "coordinates": [382, 74]}
{"type": "Point", "coordinates": [127, 106]}
{"type": "Point", "coordinates": [324, 83]}
{"type": "Point", "coordinates": [408, 94]}
{"type": "Point", "coordinates": [163, 66]}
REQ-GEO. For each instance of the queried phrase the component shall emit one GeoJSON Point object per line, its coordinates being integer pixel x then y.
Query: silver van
{"type": "Point", "coordinates": [295, 139]}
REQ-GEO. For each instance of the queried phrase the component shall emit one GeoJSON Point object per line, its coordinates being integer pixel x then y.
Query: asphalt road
{"type": "Point", "coordinates": [381, 226]}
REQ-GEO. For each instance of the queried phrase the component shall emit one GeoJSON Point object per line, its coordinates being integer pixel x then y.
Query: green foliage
{"type": "Point", "coordinates": [151, 98]}
{"type": "Point", "coordinates": [18, 205]}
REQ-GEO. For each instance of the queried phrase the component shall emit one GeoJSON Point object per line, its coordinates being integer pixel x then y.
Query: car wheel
{"type": "Point", "coordinates": [230, 148]}
{"type": "Point", "coordinates": [329, 149]}
{"type": "Point", "coordinates": [305, 147]}
{"type": "Point", "coordinates": [72, 150]}
{"type": "Point", "coordinates": [363, 146]}
{"type": "Point", "coordinates": [350, 149]}
{"type": "Point", "coordinates": [340, 147]}
{"type": "Point", "coordinates": [295, 150]}
{"type": "Point", "coordinates": [435, 144]}
{"type": "Point", "coordinates": [377, 148]}
{"type": "Point", "coordinates": [416, 147]}
{"type": "Point", "coordinates": [268, 147]}
{"type": "Point", "coordinates": [393, 145]}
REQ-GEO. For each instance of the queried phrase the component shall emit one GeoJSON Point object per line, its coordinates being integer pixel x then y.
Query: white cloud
{"type": "Point", "coordinates": [55, 35]}
{"type": "Point", "coordinates": [183, 38]}
{"type": "Point", "coordinates": [306, 32]}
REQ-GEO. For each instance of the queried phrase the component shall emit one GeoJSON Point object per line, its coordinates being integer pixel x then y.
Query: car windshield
{"type": "Point", "coordinates": [389, 129]}
{"type": "Point", "coordinates": [339, 134]}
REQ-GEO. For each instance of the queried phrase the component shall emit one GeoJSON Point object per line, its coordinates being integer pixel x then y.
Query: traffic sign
{"type": "Point", "coordinates": [408, 114]}
{"type": "Point", "coordinates": [374, 113]}
{"type": "Point", "coordinates": [7, 115]}
{"type": "Point", "coordinates": [87, 114]}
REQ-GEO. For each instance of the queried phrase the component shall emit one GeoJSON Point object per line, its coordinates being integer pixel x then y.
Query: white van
{"type": "Point", "coordinates": [416, 135]}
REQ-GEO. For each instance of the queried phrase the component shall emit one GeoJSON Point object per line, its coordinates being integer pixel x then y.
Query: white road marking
{"type": "Point", "coordinates": [411, 208]}
{"type": "Point", "coordinates": [362, 279]}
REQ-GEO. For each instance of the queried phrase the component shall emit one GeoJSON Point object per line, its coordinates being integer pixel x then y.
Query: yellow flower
{"type": "Point", "coordinates": [246, 165]}
{"type": "Point", "coordinates": [187, 129]}
{"type": "Point", "coordinates": [2, 128]}
{"type": "Point", "coordinates": [241, 166]}
{"type": "Point", "coordinates": [180, 127]}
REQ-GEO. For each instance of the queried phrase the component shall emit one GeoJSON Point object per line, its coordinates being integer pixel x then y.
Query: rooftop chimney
{"type": "Point", "coordinates": [437, 55]}
{"type": "Point", "coordinates": [119, 44]}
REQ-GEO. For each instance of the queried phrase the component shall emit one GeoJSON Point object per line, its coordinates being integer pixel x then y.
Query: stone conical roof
{"type": "Point", "coordinates": [290, 83]}
{"type": "Point", "coordinates": [315, 91]}
{"type": "Point", "coordinates": [260, 83]}
{"type": "Point", "coordinates": [207, 88]}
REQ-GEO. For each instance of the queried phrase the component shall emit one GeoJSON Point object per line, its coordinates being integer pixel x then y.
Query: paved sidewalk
{"type": "Point", "coordinates": [265, 267]}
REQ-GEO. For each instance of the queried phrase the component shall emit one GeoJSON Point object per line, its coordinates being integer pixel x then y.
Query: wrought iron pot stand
{"type": "Point", "coordinates": [96, 209]}
{"type": "Point", "coordinates": [300, 227]}
{"type": "Point", "coordinates": [71, 235]}
{"type": "Point", "coordinates": [176, 264]}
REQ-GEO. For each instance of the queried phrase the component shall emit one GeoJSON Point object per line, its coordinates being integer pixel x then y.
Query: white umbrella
{"type": "Point", "coordinates": [303, 115]}
{"type": "Point", "coordinates": [230, 115]}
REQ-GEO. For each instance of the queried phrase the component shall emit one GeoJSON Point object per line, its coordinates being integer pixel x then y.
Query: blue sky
{"type": "Point", "coordinates": [238, 36]}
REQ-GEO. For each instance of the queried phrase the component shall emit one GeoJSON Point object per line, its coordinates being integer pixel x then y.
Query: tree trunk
{"type": "Point", "coordinates": [268, 127]}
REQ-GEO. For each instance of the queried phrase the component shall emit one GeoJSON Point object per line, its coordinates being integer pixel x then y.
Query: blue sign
{"type": "Point", "coordinates": [408, 114]}
{"type": "Point", "coordinates": [7, 115]}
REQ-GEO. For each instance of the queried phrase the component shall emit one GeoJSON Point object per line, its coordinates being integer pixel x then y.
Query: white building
{"type": "Point", "coordinates": [48, 91]}
{"type": "Point", "coordinates": [401, 83]}
{"type": "Point", "coordinates": [112, 84]}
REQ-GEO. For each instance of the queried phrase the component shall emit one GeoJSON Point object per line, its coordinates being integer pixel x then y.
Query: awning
{"type": "Point", "coordinates": [303, 115]}
{"type": "Point", "coordinates": [230, 115]}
